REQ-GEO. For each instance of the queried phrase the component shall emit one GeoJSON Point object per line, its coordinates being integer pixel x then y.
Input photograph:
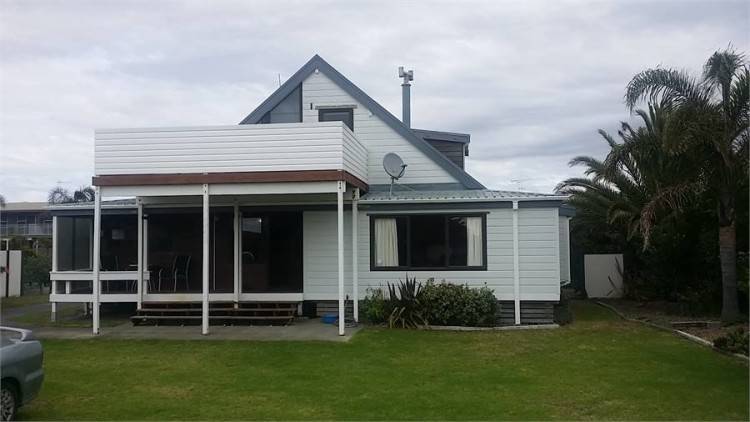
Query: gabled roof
{"type": "Point", "coordinates": [394, 123]}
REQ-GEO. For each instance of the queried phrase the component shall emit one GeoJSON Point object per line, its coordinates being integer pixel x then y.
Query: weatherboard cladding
{"type": "Point", "coordinates": [373, 136]}
{"type": "Point", "coordinates": [539, 256]}
{"type": "Point", "coordinates": [454, 151]}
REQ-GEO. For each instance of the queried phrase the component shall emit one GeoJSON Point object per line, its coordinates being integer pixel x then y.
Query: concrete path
{"type": "Point", "coordinates": [301, 330]}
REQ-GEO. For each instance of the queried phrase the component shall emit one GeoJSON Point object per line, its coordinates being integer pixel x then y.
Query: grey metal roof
{"type": "Point", "coordinates": [392, 121]}
{"type": "Point", "coordinates": [463, 138]}
{"type": "Point", "coordinates": [24, 206]}
{"type": "Point", "coordinates": [112, 203]}
{"type": "Point", "coordinates": [474, 195]}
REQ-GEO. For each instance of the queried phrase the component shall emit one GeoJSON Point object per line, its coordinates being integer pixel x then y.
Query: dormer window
{"type": "Point", "coordinates": [345, 115]}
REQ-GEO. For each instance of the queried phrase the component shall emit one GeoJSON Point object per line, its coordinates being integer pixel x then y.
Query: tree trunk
{"type": "Point", "coordinates": [730, 311]}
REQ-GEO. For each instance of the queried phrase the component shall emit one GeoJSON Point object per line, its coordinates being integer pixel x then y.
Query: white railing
{"type": "Point", "coordinates": [67, 286]}
{"type": "Point", "coordinates": [237, 148]}
{"type": "Point", "coordinates": [31, 229]}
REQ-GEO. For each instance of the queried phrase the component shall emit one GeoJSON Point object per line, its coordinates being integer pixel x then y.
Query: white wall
{"type": "Point", "coordinates": [14, 282]}
{"type": "Point", "coordinates": [377, 137]}
{"type": "Point", "coordinates": [603, 273]}
{"type": "Point", "coordinates": [245, 148]}
{"type": "Point", "coordinates": [538, 256]}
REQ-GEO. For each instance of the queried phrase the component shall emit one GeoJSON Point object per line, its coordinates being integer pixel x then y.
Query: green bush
{"type": "Point", "coordinates": [457, 304]}
{"type": "Point", "coordinates": [35, 271]}
{"type": "Point", "coordinates": [735, 341]}
{"type": "Point", "coordinates": [375, 307]}
{"type": "Point", "coordinates": [410, 304]}
{"type": "Point", "coordinates": [405, 302]}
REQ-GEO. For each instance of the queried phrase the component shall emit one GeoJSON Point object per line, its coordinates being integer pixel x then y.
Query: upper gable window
{"type": "Point", "coordinates": [345, 115]}
{"type": "Point", "coordinates": [289, 110]}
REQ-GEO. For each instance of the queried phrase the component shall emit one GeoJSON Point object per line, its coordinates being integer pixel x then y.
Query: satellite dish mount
{"type": "Point", "coordinates": [395, 167]}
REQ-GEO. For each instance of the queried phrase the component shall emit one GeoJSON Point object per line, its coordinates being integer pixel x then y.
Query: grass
{"type": "Point", "coordinates": [73, 317]}
{"type": "Point", "coordinates": [25, 300]}
{"type": "Point", "coordinates": [597, 368]}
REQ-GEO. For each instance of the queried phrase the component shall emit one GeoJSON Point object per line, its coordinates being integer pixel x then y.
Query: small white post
{"type": "Point", "coordinates": [54, 243]}
{"type": "Point", "coordinates": [516, 268]}
{"type": "Point", "coordinates": [204, 319]}
{"type": "Point", "coordinates": [139, 287]}
{"type": "Point", "coordinates": [67, 287]}
{"type": "Point", "coordinates": [355, 269]}
{"type": "Point", "coordinates": [96, 284]}
{"type": "Point", "coordinates": [145, 254]}
{"type": "Point", "coordinates": [340, 235]}
{"type": "Point", "coordinates": [53, 287]}
{"type": "Point", "coordinates": [236, 254]}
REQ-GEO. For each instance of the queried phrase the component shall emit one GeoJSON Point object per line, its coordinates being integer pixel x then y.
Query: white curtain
{"type": "Point", "coordinates": [386, 242]}
{"type": "Point", "coordinates": [474, 241]}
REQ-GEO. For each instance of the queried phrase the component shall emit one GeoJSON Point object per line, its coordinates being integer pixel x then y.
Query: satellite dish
{"type": "Point", "coordinates": [394, 166]}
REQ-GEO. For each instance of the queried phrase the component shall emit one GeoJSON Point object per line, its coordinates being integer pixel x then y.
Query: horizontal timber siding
{"type": "Point", "coordinates": [538, 256]}
{"type": "Point", "coordinates": [241, 148]}
{"type": "Point", "coordinates": [454, 151]}
{"type": "Point", "coordinates": [379, 139]}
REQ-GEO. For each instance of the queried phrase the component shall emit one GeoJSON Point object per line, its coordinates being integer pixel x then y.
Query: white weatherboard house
{"type": "Point", "coordinates": [290, 213]}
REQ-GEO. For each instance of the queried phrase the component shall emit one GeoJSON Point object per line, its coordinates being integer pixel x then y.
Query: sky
{"type": "Point", "coordinates": [531, 81]}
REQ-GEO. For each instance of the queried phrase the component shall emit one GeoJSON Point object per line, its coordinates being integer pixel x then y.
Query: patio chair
{"type": "Point", "coordinates": [109, 263]}
{"type": "Point", "coordinates": [180, 270]}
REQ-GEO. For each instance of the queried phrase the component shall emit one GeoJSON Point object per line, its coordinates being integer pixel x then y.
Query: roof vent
{"type": "Point", "coordinates": [406, 94]}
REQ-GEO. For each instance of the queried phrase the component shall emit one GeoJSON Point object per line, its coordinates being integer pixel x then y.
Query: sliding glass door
{"type": "Point", "coordinates": [272, 252]}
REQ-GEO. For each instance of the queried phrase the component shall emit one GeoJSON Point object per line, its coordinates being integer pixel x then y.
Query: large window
{"type": "Point", "coordinates": [345, 115]}
{"type": "Point", "coordinates": [289, 110]}
{"type": "Point", "coordinates": [428, 242]}
{"type": "Point", "coordinates": [74, 243]}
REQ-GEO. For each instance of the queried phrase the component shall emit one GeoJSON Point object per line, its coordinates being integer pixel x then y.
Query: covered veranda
{"type": "Point", "coordinates": [196, 243]}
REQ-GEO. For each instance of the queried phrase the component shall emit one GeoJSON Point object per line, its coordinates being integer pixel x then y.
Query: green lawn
{"type": "Point", "coordinates": [71, 317]}
{"type": "Point", "coordinates": [27, 299]}
{"type": "Point", "coordinates": [597, 368]}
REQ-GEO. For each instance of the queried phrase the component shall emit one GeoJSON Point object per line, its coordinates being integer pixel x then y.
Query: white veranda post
{"type": "Point", "coordinates": [204, 315]}
{"type": "Point", "coordinates": [237, 256]}
{"type": "Point", "coordinates": [96, 284]}
{"type": "Point", "coordinates": [139, 287]}
{"type": "Point", "coordinates": [340, 237]}
{"type": "Point", "coordinates": [54, 266]}
{"type": "Point", "coordinates": [355, 269]}
{"type": "Point", "coordinates": [516, 268]}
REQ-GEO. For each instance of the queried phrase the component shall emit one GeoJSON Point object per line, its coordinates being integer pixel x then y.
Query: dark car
{"type": "Point", "coordinates": [21, 359]}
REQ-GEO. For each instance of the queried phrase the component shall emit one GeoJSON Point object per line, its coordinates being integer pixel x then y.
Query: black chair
{"type": "Point", "coordinates": [180, 270]}
{"type": "Point", "coordinates": [109, 263]}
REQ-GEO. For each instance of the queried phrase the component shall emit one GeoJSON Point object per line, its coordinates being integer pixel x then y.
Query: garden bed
{"type": "Point", "coordinates": [705, 327]}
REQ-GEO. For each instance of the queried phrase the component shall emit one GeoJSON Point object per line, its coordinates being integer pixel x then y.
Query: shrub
{"type": "Point", "coordinates": [406, 305]}
{"type": "Point", "coordinates": [35, 271]}
{"type": "Point", "coordinates": [375, 307]}
{"type": "Point", "coordinates": [455, 304]}
{"type": "Point", "coordinates": [561, 312]}
{"type": "Point", "coordinates": [735, 341]}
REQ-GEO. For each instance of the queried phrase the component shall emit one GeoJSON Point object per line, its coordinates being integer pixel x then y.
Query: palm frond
{"type": "Point", "coordinates": [664, 86]}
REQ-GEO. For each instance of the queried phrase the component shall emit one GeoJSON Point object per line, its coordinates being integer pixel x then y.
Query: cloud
{"type": "Point", "coordinates": [531, 81]}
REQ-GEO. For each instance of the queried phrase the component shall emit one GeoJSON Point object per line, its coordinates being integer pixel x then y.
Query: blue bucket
{"type": "Point", "coordinates": [329, 318]}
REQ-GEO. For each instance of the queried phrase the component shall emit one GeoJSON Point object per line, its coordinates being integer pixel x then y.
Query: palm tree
{"type": "Point", "coordinates": [708, 122]}
{"type": "Point", "coordinates": [628, 189]}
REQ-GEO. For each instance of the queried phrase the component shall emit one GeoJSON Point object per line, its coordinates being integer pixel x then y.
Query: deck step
{"type": "Point", "coordinates": [199, 310]}
{"type": "Point", "coordinates": [191, 313]}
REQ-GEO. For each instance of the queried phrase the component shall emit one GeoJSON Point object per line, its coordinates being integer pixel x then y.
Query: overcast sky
{"type": "Point", "coordinates": [531, 81]}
